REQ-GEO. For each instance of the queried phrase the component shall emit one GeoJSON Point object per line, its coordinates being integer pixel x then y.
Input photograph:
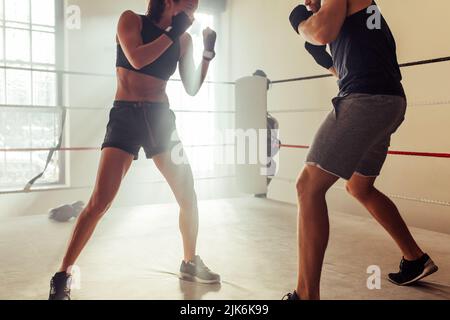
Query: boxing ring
{"type": "Point", "coordinates": [246, 93]}
{"type": "Point", "coordinates": [235, 226]}
{"type": "Point", "coordinates": [392, 152]}
{"type": "Point", "coordinates": [248, 178]}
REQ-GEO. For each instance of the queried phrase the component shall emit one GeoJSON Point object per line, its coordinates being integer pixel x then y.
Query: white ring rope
{"type": "Point", "coordinates": [395, 196]}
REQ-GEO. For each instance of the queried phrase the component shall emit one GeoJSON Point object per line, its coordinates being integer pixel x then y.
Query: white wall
{"type": "Point", "coordinates": [92, 49]}
{"type": "Point", "coordinates": [256, 34]}
{"type": "Point", "coordinates": [262, 38]}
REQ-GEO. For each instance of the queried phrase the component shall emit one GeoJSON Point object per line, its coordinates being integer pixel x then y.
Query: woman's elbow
{"type": "Point", "coordinates": [190, 89]}
{"type": "Point", "coordinates": [191, 92]}
{"type": "Point", "coordinates": [136, 64]}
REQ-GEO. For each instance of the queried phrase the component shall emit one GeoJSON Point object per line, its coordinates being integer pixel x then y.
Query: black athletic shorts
{"type": "Point", "coordinates": [136, 125]}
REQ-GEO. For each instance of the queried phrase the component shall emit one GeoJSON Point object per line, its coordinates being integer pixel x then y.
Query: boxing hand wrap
{"type": "Point", "coordinates": [320, 54]}
{"type": "Point", "coordinates": [298, 15]}
{"type": "Point", "coordinates": [180, 23]}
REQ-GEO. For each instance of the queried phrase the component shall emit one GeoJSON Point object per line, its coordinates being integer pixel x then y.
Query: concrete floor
{"type": "Point", "coordinates": [136, 252]}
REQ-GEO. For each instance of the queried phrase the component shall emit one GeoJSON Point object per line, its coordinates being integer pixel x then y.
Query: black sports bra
{"type": "Point", "coordinates": [163, 67]}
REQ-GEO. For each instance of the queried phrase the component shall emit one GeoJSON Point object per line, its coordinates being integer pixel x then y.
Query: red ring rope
{"type": "Point", "coordinates": [287, 146]}
{"type": "Point", "coordinates": [398, 153]}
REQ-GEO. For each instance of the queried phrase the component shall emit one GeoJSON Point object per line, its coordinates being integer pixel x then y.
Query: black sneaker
{"type": "Point", "coordinates": [413, 271]}
{"type": "Point", "coordinates": [60, 286]}
{"type": "Point", "coordinates": [291, 296]}
{"type": "Point", "coordinates": [197, 271]}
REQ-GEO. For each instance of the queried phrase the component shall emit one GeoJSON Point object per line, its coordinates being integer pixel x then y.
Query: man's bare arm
{"type": "Point", "coordinates": [324, 26]}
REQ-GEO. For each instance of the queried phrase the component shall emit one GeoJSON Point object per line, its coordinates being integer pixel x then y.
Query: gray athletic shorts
{"type": "Point", "coordinates": [356, 135]}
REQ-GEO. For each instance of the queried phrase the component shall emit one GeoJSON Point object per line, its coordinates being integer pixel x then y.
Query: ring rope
{"type": "Point", "coordinates": [91, 74]}
{"type": "Point", "coordinates": [403, 65]}
{"type": "Point", "coordinates": [124, 184]}
{"type": "Point", "coordinates": [395, 196]}
{"type": "Point", "coordinates": [415, 199]}
{"type": "Point", "coordinates": [64, 110]}
{"type": "Point", "coordinates": [77, 149]}
{"type": "Point", "coordinates": [414, 104]}
{"type": "Point", "coordinates": [392, 152]}
{"type": "Point", "coordinates": [54, 108]}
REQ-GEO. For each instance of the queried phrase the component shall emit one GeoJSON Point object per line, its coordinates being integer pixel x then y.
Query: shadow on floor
{"type": "Point", "coordinates": [196, 291]}
{"type": "Point", "coordinates": [435, 289]}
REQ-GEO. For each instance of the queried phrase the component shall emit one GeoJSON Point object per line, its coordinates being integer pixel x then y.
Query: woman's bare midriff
{"type": "Point", "coordinates": [134, 86]}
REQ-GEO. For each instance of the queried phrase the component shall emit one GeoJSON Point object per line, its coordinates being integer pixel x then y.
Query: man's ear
{"type": "Point", "coordinates": [168, 4]}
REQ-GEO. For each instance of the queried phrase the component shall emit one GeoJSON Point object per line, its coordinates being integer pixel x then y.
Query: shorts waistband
{"type": "Point", "coordinates": [139, 104]}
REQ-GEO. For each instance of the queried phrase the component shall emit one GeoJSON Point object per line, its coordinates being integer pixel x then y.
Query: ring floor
{"type": "Point", "coordinates": [136, 252]}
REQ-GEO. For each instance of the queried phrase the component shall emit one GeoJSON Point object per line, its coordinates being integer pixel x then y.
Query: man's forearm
{"type": "Point", "coordinates": [312, 29]}
{"type": "Point", "coordinates": [324, 26]}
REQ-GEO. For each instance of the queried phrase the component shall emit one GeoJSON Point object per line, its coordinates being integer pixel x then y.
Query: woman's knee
{"type": "Point", "coordinates": [98, 205]}
{"type": "Point", "coordinates": [188, 200]}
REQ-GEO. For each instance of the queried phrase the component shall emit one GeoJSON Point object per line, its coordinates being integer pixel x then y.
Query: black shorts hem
{"type": "Point", "coordinates": [156, 152]}
{"type": "Point", "coordinates": [121, 147]}
{"type": "Point", "coordinates": [160, 150]}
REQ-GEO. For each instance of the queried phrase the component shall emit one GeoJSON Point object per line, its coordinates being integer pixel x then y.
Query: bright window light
{"type": "Point", "coordinates": [28, 42]}
{"type": "Point", "coordinates": [196, 129]}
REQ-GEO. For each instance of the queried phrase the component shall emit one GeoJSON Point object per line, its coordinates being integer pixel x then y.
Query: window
{"type": "Point", "coordinates": [29, 118]}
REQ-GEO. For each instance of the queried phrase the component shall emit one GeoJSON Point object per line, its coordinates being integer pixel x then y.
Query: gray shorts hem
{"type": "Point", "coordinates": [366, 175]}
{"type": "Point", "coordinates": [317, 165]}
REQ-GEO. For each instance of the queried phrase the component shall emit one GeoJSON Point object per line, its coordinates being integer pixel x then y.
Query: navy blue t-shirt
{"type": "Point", "coordinates": [365, 58]}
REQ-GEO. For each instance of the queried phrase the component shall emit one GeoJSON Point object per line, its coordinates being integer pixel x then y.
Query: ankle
{"type": "Point", "coordinates": [65, 268]}
{"type": "Point", "coordinates": [307, 294]}
{"type": "Point", "coordinates": [413, 256]}
{"type": "Point", "coordinates": [62, 269]}
{"type": "Point", "coordinates": [188, 259]}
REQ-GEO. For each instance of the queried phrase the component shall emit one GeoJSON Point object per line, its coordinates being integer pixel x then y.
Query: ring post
{"type": "Point", "coordinates": [251, 134]}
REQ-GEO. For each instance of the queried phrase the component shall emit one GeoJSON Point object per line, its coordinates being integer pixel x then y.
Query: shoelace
{"type": "Point", "coordinates": [288, 296]}
{"type": "Point", "coordinates": [201, 264]}
{"type": "Point", "coordinates": [402, 263]}
{"type": "Point", "coordinates": [53, 288]}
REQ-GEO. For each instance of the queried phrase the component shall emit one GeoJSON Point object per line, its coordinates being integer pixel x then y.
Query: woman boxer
{"type": "Point", "coordinates": [149, 48]}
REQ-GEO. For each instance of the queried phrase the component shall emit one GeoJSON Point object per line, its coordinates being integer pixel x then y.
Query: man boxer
{"type": "Point", "coordinates": [353, 141]}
